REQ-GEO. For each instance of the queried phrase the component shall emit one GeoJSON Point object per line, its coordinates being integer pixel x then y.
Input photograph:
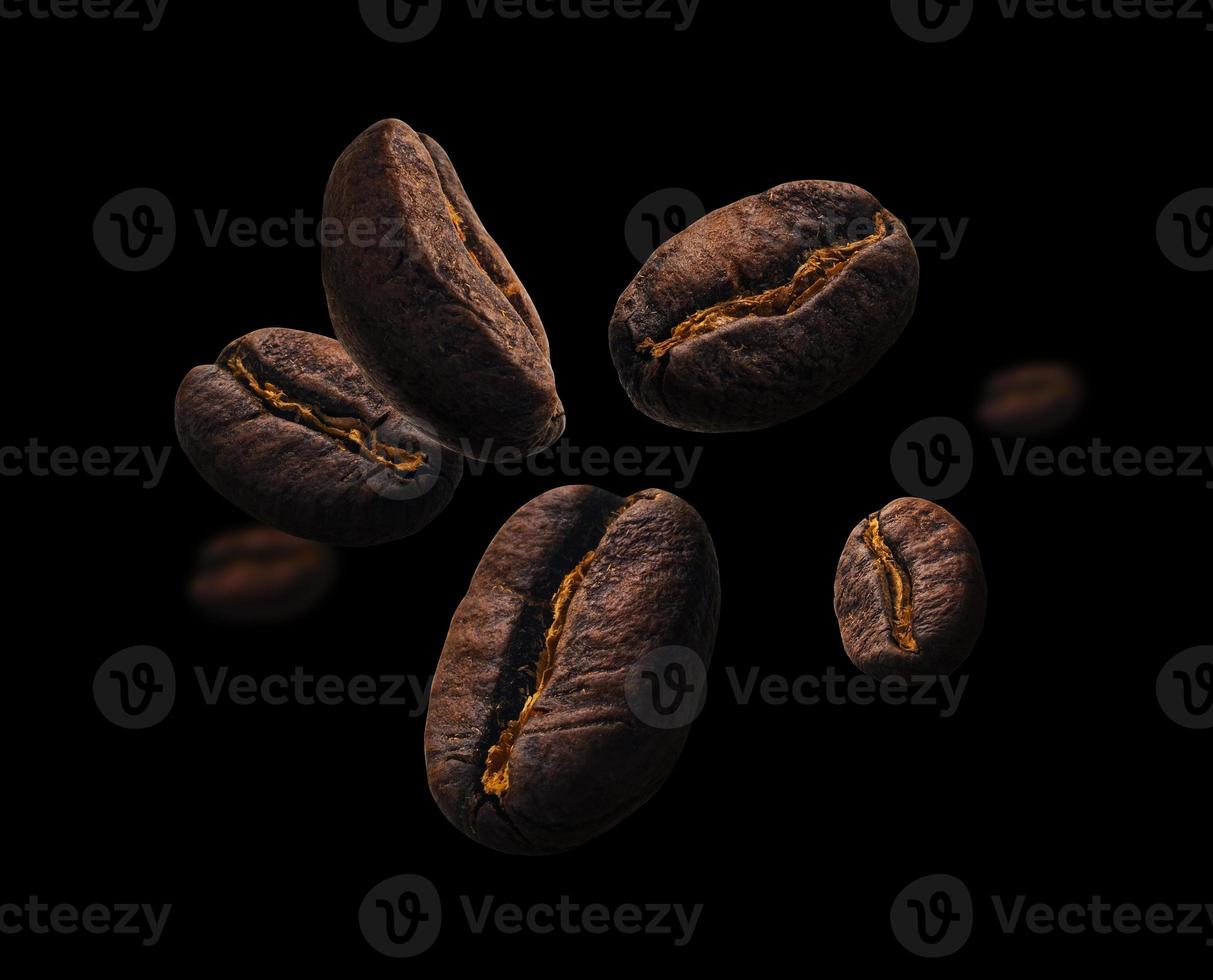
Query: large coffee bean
{"type": "Point", "coordinates": [286, 427]}
{"type": "Point", "coordinates": [430, 309]}
{"type": "Point", "coordinates": [910, 593]}
{"type": "Point", "coordinates": [765, 309]}
{"type": "Point", "coordinates": [532, 745]}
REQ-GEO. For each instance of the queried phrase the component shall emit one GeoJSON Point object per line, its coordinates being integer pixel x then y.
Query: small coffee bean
{"type": "Point", "coordinates": [432, 312]}
{"type": "Point", "coordinates": [1031, 400]}
{"type": "Point", "coordinates": [285, 427]}
{"type": "Point", "coordinates": [531, 745]}
{"type": "Point", "coordinates": [765, 309]}
{"type": "Point", "coordinates": [910, 593]}
{"type": "Point", "coordinates": [261, 575]}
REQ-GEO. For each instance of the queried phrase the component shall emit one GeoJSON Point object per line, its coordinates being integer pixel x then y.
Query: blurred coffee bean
{"type": "Point", "coordinates": [1031, 399]}
{"type": "Point", "coordinates": [261, 575]}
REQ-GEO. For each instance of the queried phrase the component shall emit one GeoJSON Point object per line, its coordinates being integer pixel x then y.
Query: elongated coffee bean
{"type": "Point", "coordinates": [910, 593]}
{"type": "Point", "coordinates": [286, 427]}
{"type": "Point", "coordinates": [765, 309]}
{"type": "Point", "coordinates": [430, 309]}
{"type": "Point", "coordinates": [532, 745]}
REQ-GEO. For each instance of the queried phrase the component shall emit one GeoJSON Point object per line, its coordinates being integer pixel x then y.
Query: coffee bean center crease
{"type": "Point", "coordinates": [814, 273]}
{"type": "Point", "coordinates": [512, 291]}
{"type": "Point", "coordinates": [895, 587]}
{"type": "Point", "coordinates": [352, 433]}
{"type": "Point", "coordinates": [496, 776]}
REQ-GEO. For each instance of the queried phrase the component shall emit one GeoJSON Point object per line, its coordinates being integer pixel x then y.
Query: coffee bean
{"type": "Point", "coordinates": [1031, 400]}
{"type": "Point", "coordinates": [432, 312]}
{"type": "Point", "coordinates": [531, 746]}
{"type": "Point", "coordinates": [910, 593]}
{"type": "Point", "coordinates": [261, 575]}
{"type": "Point", "coordinates": [286, 428]}
{"type": "Point", "coordinates": [765, 309]}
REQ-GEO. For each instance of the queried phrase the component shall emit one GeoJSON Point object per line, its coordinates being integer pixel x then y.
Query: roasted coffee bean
{"type": "Point", "coordinates": [531, 746]}
{"type": "Point", "coordinates": [765, 309]}
{"type": "Point", "coordinates": [259, 574]}
{"type": "Point", "coordinates": [432, 312]}
{"type": "Point", "coordinates": [1031, 400]}
{"type": "Point", "coordinates": [286, 427]}
{"type": "Point", "coordinates": [910, 593]}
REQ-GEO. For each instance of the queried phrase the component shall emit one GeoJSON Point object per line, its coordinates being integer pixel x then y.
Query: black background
{"type": "Point", "coordinates": [795, 826]}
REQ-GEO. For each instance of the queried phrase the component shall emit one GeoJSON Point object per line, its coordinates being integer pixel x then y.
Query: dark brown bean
{"type": "Point", "coordinates": [1031, 399]}
{"type": "Point", "coordinates": [765, 309]}
{"type": "Point", "coordinates": [259, 574]}
{"type": "Point", "coordinates": [286, 427]}
{"type": "Point", "coordinates": [531, 746]}
{"type": "Point", "coordinates": [435, 316]}
{"type": "Point", "coordinates": [910, 593]}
